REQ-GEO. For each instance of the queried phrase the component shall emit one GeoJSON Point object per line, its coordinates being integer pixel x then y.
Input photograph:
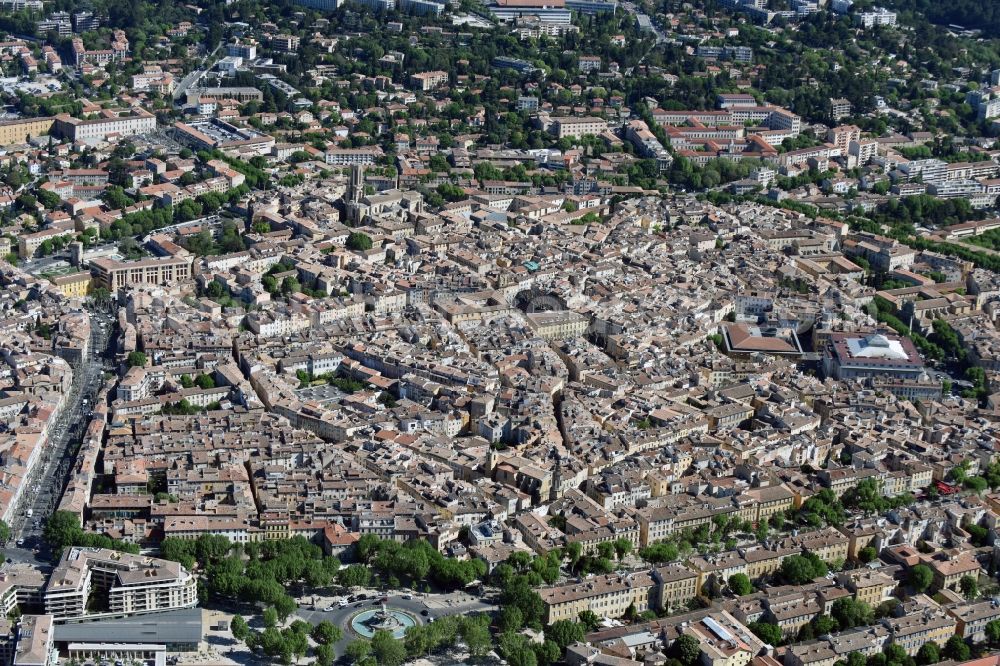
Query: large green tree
{"type": "Point", "coordinates": [387, 650]}
{"type": "Point", "coordinates": [929, 654]}
{"type": "Point", "coordinates": [686, 649]}
{"type": "Point", "coordinates": [921, 576]}
{"type": "Point", "coordinates": [849, 612]}
{"type": "Point", "coordinates": [739, 584]}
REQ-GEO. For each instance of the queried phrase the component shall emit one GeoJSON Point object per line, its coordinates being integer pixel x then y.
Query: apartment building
{"type": "Point", "coordinates": [22, 129]}
{"type": "Point", "coordinates": [247, 51]}
{"type": "Point", "coordinates": [721, 566]}
{"type": "Point", "coordinates": [710, 118]}
{"type": "Point", "coordinates": [655, 524]}
{"type": "Point", "coordinates": [112, 274]}
{"type": "Point", "coordinates": [842, 135]}
{"type": "Point", "coordinates": [28, 244]}
{"type": "Point", "coordinates": [676, 585]}
{"type": "Point", "coordinates": [880, 16]}
{"type": "Point", "coordinates": [154, 79]}
{"type": "Point", "coordinates": [132, 584]}
{"type": "Point", "coordinates": [869, 586]}
{"type": "Point", "coordinates": [285, 43]}
{"type": "Point", "coordinates": [926, 626]}
{"type": "Point", "coordinates": [576, 127]}
{"type": "Point", "coordinates": [839, 108]}
{"type": "Point", "coordinates": [764, 561]}
{"type": "Point", "coordinates": [827, 544]}
{"type": "Point", "coordinates": [35, 642]}
{"type": "Point", "coordinates": [113, 124]}
{"type": "Point", "coordinates": [950, 567]}
{"type": "Point", "coordinates": [234, 528]}
{"type": "Point", "coordinates": [548, 11]}
{"type": "Point", "coordinates": [57, 22]}
{"type": "Point", "coordinates": [425, 81]}
{"type": "Point", "coordinates": [73, 285]}
{"type": "Point", "coordinates": [20, 584]}
{"type": "Point", "coordinates": [812, 653]}
{"type": "Point", "coordinates": [972, 617]}
{"type": "Point", "coordinates": [353, 156]}
{"type": "Point", "coordinates": [647, 144]}
{"type": "Point", "coordinates": [607, 596]}
{"type": "Point", "coordinates": [769, 500]}
{"type": "Point", "coordinates": [929, 170]}
{"type": "Point", "coordinates": [241, 94]}
{"type": "Point", "coordinates": [792, 611]}
{"type": "Point", "coordinates": [864, 151]}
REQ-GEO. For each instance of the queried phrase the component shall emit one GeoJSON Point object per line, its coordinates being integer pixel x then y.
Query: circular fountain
{"type": "Point", "coordinates": [396, 622]}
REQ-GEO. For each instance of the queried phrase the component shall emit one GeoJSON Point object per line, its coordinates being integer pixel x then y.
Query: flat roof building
{"type": "Point", "coordinates": [112, 274]}
{"type": "Point", "coordinates": [174, 631]}
{"type": "Point", "coordinates": [132, 584]}
{"type": "Point", "coordinates": [859, 355]}
{"type": "Point", "coordinates": [577, 127]}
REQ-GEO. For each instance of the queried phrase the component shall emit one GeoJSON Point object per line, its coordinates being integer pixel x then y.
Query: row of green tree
{"type": "Point", "coordinates": [416, 561]}
{"type": "Point", "coordinates": [63, 530]}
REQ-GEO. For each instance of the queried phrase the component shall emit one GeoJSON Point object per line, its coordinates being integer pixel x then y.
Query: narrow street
{"type": "Point", "coordinates": [48, 478]}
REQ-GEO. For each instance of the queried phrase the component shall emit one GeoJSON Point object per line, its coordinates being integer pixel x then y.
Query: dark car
{"type": "Point", "coordinates": [362, 597]}
{"type": "Point", "coordinates": [425, 612]}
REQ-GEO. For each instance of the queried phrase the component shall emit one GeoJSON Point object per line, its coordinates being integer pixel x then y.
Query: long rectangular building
{"type": "Point", "coordinates": [239, 93]}
{"type": "Point", "coordinates": [112, 274]}
{"type": "Point", "coordinates": [577, 127]}
{"type": "Point", "coordinates": [549, 11]}
{"type": "Point", "coordinates": [113, 123]}
{"type": "Point", "coordinates": [22, 129]}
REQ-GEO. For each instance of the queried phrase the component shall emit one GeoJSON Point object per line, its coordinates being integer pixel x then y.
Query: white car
{"type": "Point", "coordinates": [329, 609]}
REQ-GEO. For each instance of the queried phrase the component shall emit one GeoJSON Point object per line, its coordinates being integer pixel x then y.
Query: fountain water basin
{"type": "Point", "coordinates": [396, 622]}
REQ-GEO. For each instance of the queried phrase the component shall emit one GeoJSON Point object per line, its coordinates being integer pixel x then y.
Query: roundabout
{"type": "Point", "coordinates": [395, 621]}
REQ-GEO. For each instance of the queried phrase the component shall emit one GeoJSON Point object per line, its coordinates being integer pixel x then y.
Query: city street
{"type": "Point", "coordinates": [48, 478]}
{"type": "Point", "coordinates": [193, 77]}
